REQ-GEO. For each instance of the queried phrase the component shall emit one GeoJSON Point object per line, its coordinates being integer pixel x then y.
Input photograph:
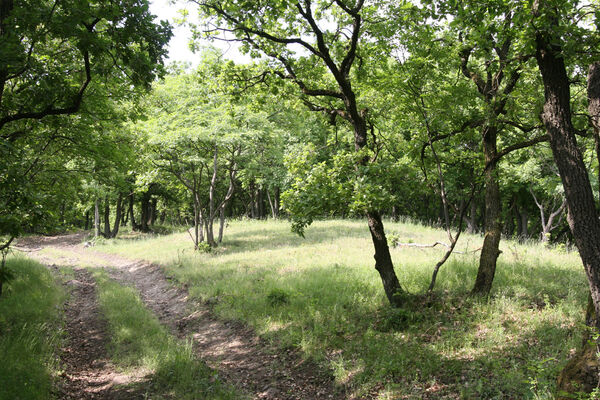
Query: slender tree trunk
{"type": "Point", "coordinates": [145, 206]}
{"type": "Point", "coordinates": [130, 211]}
{"type": "Point", "coordinates": [153, 204]}
{"type": "Point", "coordinates": [87, 220]}
{"type": "Point", "coordinates": [196, 221]}
{"type": "Point", "coordinates": [106, 217]}
{"type": "Point", "coordinates": [252, 190]}
{"type": "Point", "coordinates": [271, 204]}
{"type": "Point", "coordinates": [493, 228]}
{"type": "Point", "coordinates": [277, 201]}
{"type": "Point", "coordinates": [519, 222]}
{"type": "Point", "coordinates": [383, 260]}
{"type": "Point", "coordinates": [471, 222]}
{"type": "Point", "coordinates": [221, 223]}
{"type": "Point", "coordinates": [118, 216]}
{"type": "Point", "coordinates": [96, 218]}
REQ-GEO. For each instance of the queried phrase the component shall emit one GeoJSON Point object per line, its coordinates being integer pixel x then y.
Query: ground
{"type": "Point", "coordinates": [254, 367]}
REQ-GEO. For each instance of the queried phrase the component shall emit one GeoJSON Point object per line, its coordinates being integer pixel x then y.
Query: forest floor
{"type": "Point", "coordinates": [254, 367]}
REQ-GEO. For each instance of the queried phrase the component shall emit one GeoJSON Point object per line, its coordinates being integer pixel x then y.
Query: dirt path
{"type": "Point", "coordinates": [234, 350]}
{"type": "Point", "coordinates": [88, 372]}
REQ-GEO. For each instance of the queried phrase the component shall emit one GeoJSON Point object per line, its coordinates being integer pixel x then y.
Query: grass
{"type": "Point", "coordinates": [139, 341]}
{"type": "Point", "coordinates": [30, 331]}
{"type": "Point", "coordinates": [322, 295]}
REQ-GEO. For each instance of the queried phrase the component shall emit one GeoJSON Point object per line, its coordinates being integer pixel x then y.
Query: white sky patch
{"type": "Point", "coordinates": [179, 46]}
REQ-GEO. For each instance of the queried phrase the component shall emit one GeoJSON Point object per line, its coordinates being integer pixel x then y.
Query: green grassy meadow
{"type": "Point", "coordinates": [30, 331]}
{"type": "Point", "coordinates": [322, 294]}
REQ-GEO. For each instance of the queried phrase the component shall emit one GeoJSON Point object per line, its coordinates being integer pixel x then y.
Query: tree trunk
{"type": "Point", "coordinates": [87, 220]}
{"type": "Point", "coordinates": [197, 226]}
{"type": "Point", "coordinates": [493, 228]}
{"type": "Point", "coordinates": [119, 212]}
{"type": "Point", "coordinates": [153, 204]}
{"type": "Point", "coordinates": [130, 211]}
{"type": "Point", "coordinates": [383, 260]}
{"type": "Point", "coordinates": [106, 217]}
{"type": "Point", "coordinates": [471, 222]}
{"type": "Point", "coordinates": [221, 223]}
{"type": "Point", "coordinates": [593, 90]}
{"type": "Point", "coordinates": [96, 219]}
{"type": "Point", "coordinates": [253, 210]}
{"type": "Point", "coordinates": [145, 205]}
{"type": "Point", "coordinates": [582, 215]}
{"type": "Point", "coordinates": [524, 224]}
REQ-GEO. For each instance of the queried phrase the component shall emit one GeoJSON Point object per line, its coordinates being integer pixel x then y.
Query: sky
{"type": "Point", "coordinates": [179, 45]}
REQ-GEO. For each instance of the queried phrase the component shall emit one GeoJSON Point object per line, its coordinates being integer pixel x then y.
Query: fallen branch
{"type": "Point", "coordinates": [429, 246]}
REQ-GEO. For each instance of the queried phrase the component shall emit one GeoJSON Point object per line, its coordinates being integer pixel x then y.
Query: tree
{"type": "Point", "coordinates": [324, 72]}
{"type": "Point", "coordinates": [53, 55]}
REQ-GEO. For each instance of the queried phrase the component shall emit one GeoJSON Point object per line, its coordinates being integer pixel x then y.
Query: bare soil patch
{"type": "Point", "coordinates": [235, 351]}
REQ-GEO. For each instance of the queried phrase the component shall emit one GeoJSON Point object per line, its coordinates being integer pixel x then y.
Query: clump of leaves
{"type": "Point", "coordinates": [204, 247]}
{"type": "Point", "coordinates": [278, 297]}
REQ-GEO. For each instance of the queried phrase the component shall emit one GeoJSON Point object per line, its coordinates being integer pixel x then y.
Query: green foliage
{"type": "Point", "coordinates": [30, 332]}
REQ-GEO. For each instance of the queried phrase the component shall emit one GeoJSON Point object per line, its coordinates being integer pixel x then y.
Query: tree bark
{"type": "Point", "coordinates": [221, 223]}
{"type": "Point", "coordinates": [593, 89]}
{"type": "Point", "coordinates": [130, 211]}
{"type": "Point", "coordinates": [96, 219]}
{"type": "Point", "coordinates": [383, 260]}
{"type": "Point", "coordinates": [471, 222]}
{"type": "Point", "coordinates": [119, 212]}
{"type": "Point", "coordinates": [87, 220]}
{"type": "Point", "coordinates": [582, 214]}
{"type": "Point", "coordinates": [106, 217]}
{"type": "Point", "coordinates": [493, 228]}
{"type": "Point", "coordinates": [145, 206]}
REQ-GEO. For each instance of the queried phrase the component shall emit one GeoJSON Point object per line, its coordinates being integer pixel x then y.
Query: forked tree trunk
{"type": "Point", "coordinates": [493, 228]}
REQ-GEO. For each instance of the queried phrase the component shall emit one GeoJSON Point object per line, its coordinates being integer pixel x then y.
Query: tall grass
{"type": "Point", "coordinates": [139, 340]}
{"type": "Point", "coordinates": [322, 295]}
{"type": "Point", "coordinates": [30, 331]}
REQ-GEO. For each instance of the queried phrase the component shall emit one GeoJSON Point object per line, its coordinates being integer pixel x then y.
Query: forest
{"type": "Point", "coordinates": [382, 200]}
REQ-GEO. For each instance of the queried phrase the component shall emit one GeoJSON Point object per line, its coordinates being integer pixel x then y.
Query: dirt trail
{"type": "Point", "coordinates": [88, 372]}
{"type": "Point", "coordinates": [239, 356]}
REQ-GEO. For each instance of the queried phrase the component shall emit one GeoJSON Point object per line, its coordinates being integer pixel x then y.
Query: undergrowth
{"type": "Point", "coordinates": [322, 295]}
